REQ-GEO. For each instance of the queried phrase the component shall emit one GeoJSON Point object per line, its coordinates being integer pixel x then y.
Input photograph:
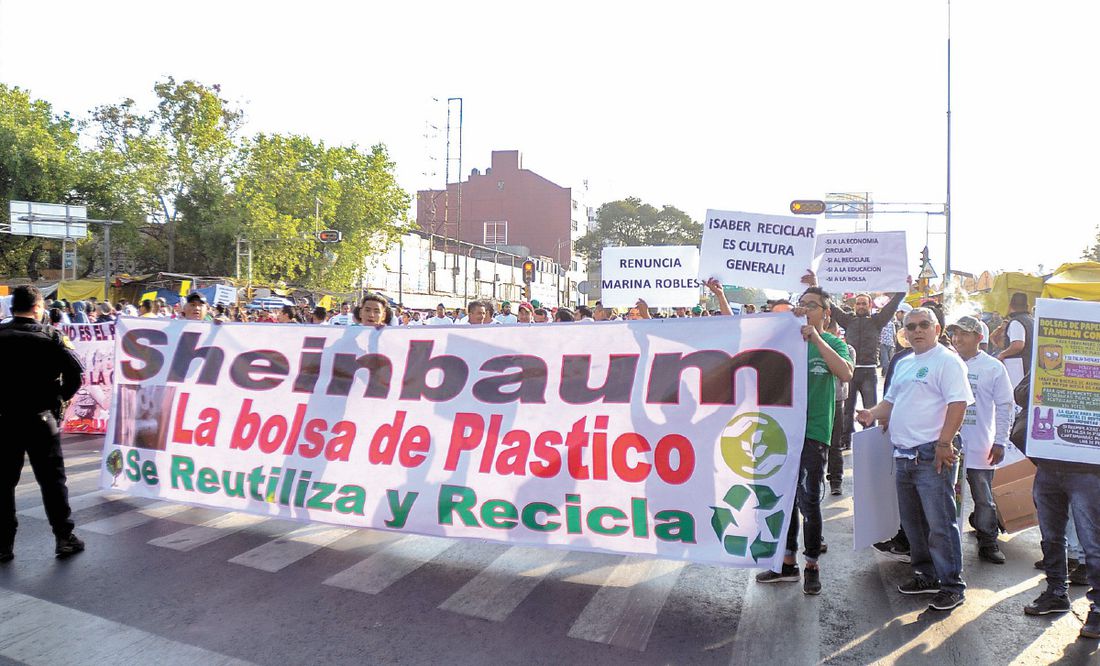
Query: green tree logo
{"type": "Point", "coordinates": [754, 446]}
{"type": "Point", "coordinates": [114, 465]}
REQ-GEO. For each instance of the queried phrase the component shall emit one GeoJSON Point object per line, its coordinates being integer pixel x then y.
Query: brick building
{"type": "Point", "coordinates": [509, 208]}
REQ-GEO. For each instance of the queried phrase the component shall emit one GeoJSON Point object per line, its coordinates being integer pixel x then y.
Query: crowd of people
{"type": "Point", "coordinates": [952, 394]}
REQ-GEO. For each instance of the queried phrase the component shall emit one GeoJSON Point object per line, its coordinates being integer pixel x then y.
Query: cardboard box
{"type": "Point", "coordinates": [1012, 494]}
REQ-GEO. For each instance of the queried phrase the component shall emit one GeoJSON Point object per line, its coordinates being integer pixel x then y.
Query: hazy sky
{"type": "Point", "coordinates": [740, 106]}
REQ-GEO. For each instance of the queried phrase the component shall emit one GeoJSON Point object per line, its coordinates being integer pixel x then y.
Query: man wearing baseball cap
{"type": "Point", "coordinates": [195, 307]}
{"type": "Point", "coordinates": [505, 316]}
{"type": "Point", "coordinates": [984, 431]}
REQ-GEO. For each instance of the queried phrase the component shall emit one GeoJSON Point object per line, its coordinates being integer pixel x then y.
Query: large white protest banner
{"type": "Point", "coordinates": [675, 441]}
{"type": "Point", "coordinates": [754, 250]}
{"type": "Point", "coordinates": [1064, 423]}
{"type": "Point", "coordinates": [94, 346]}
{"type": "Point", "coordinates": [662, 276]}
{"type": "Point", "coordinates": [875, 496]}
{"type": "Point", "coordinates": [862, 261]}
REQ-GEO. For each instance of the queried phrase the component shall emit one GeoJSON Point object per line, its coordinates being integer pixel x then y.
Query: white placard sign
{"type": "Point", "coordinates": [662, 276]}
{"type": "Point", "coordinates": [875, 496]}
{"type": "Point", "coordinates": [754, 250]}
{"type": "Point", "coordinates": [224, 294]}
{"type": "Point", "coordinates": [862, 261]}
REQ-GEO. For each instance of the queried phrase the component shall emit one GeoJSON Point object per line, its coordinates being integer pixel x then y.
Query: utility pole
{"type": "Point", "coordinates": [947, 206]}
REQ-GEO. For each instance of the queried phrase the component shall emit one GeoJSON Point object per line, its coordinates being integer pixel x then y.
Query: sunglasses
{"type": "Point", "coordinates": [923, 325]}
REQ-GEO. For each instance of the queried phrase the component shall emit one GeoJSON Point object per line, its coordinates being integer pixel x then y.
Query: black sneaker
{"type": "Point", "coordinates": [811, 581]}
{"type": "Point", "coordinates": [68, 545]}
{"type": "Point", "coordinates": [7, 549]}
{"type": "Point", "coordinates": [991, 554]}
{"type": "Point", "coordinates": [824, 546]}
{"type": "Point", "coordinates": [890, 550]}
{"type": "Point", "coordinates": [1078, 575]}
{"type": "Point", "coordinates": [1092, 625]}
{"type": "Point", "coordinates": [836, 490]}
{"type": "Point", "coordinates": [945, 601]}
{"type": "Point", "coordinates": [1047, 603]}
{"type": "Point", "coordinates": [919, 586]}
{"type": "Point", "coordinates": [789, 574]}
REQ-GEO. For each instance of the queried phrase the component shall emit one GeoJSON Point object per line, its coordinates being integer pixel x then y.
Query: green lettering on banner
{"type": "Point", "coordinates": [533, 509]}
{"type": "Point", "coordinates": [182, 469]}
{"type": "Point", "coordinates": [133, 462]}
{"type": "Point", "coordinates": [680, 526]}
{"type": "Point", "coordinates": [207, 482]}
{"type": "Point", "coordinates": [457, 499]}
{"type": "Point", "coordinates": [639, 510]}
{"type": "Point", "coordinates": [596, 516]}
{"type": "Point", "coordinates": [499, 514]}
{"type": "Point", "coordinates": [321, 492]}
{"type": "Point", "coordinates": [353, 500]}
{"type": "Point", "coordinates": [399, 508]}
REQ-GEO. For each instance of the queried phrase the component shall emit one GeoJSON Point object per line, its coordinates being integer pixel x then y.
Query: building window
{"type": "Point", "coordinates": [495, 233]}
{"type": "Point", "coordinates": [573, 225]}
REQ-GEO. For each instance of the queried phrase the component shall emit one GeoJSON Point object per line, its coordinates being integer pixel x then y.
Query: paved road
{"type": "Point", "coordinates": [166, 583]}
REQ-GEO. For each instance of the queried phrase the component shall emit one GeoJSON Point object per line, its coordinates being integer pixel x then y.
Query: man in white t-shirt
{"type": "Point", "coordinates": [440, 317]}
{"type": "Point", "coordinates": [924, 409]}
{"type": "Point", "coordinates": [344, 318]}
{"type": "Point", "coordinates": [984, 431]}
{"type": "Point", "coordinates": [1019, 327]}
{"type": "Point", "coordinates": [505, 316]}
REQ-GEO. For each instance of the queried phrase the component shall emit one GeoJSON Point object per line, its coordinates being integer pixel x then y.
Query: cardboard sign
{"type": "Point", "coordinates": [542, 436]}
{"type": "Point", "coordinates": [1064, 423]}
{"type": "Point", "coordinates": [862, 262]}
{"type": "Point", "coordinates": [1012, 495]}
{"type": "Point", "coordinates": [754, 250]}
{"type": "Point", "coordinates": [875, 497]}
{"type": "Point", "coordinates": [662, 276]}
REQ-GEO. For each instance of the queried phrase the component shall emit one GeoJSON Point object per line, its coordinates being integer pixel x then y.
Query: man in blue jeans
{"type": "Point", "coordinates": [924, 410]}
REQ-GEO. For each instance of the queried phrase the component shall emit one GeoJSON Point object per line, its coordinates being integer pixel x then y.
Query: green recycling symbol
{"type": "Point", "coordinates": [736, 498]}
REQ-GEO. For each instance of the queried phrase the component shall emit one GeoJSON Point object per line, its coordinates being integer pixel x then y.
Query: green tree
{"type": "Point", "coordinates": [170, 167]}
{"type": "Point", "coordinates": [39, 161]}
{"type": "Point", "coordinates": [629, 222]}
{"type": "Point", "coordinates": [289, 187]}
{"type": "Point", "coordinates": [1093, 253]}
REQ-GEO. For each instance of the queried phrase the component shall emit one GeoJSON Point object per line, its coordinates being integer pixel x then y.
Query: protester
{"type": "Point", "coordinates": [40, 373]}
{"type": "Point", "coordinates": [525, 313]}
{"type": "Point", "coordinates": [924, 411]}
{"type": "Point", "coordinates": [195, 308]}
{"type": "Point", "coordinates": [505, 316]}
{"type": "Point", "coordinates": [827, 358]}
{"type": "Point", "coordinates": [984, 430]}
{"type": "Point", "coordinates": [564, 315]}
{"type": "Point", "coordinates": [1019, 328]}
{"type": "Point", "coordinates": [373, 310]}
{"type": "Point", "coordinates": [835, 474]}
{"type": "Point", "coordinates": [541, 316]}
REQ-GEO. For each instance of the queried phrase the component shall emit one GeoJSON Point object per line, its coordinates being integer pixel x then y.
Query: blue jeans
{"type": "Point", "coordinates": [1057, 494]}
{"type": "Point", "coordinates": [985, 511]}
{"type": "Point", "coordinates": [926, 501]}
{"type": "Point", "coordinates": [1073, 544]}
{"type": "Point", "coordinates": [807, 500]}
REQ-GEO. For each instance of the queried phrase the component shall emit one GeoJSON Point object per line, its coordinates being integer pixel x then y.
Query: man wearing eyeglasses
{"type": "Point", "coordinates": [827, 360]}
{"type": "Point", "coordinates": [924, 409]}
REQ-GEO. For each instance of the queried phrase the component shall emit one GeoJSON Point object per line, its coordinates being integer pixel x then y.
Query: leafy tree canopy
{"type": "Point", "coordinates": [629, 222]}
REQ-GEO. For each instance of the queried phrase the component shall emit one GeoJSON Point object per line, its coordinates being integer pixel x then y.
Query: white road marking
{"type": "Point", "coordinates": [31, 486]}
{"type": "Point", "coordinates": [390, 564]}
{"type": "Point", "coordinates": [280, 553]}
{"type": "Point", "coordinates": [77, 503]}
{"type": "Point", "coordinates": [192, 537]}
{"type": "Point", "coordinates": [500, 587]}
{"type": "Point", "coordinates": [131, 519]}
{"type": "Point", "coordinates": [624, 610]}
{"type": "Point", "coordinates": [758, 618]}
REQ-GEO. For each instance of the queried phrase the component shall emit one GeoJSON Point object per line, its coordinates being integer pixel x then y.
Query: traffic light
{"type": "Point", "coordinates": [329, 236]}
{"type": "Point", "coordinates": [528, 272]}
{"type": "Point", "coordinates": [807, 207]}
{"type": "Point", "coordinates": [924, 259]}
{"type": "Point", "coordinates": [526, 292]}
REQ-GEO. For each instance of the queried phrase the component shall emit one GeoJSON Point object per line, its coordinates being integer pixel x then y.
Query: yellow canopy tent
{"type": "Point", "coordinates": [80, 290]}
{"type": "Point", "coordinates": [1080, 280]}
{"type": "Point", "coordinates": [1006, 284]}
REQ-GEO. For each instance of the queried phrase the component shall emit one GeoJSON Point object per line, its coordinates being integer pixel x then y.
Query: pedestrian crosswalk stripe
{"type": "Point", "coordinates": [500, 587]}
{"type": "Point", "coordinates": [34, 631]}
{"type": "Point", "coordinates": [32, 485]}
{"type": "Point", "coordinates": [758, 619]}
{"type": "Point", "coordinates": [131, 519]}
{"type": "Point", "coordinates": [390, 564]}
{"type": "Point", "coordinates": [625, 608]}
{"type": "Point", "coordinates": [77, 461]}
{"type": "Point", "coordinates": [77, 503]}
{"type": "Point", "coordinates": [192, 537]}
{"type": "Point", "coordinates": [280, 553]}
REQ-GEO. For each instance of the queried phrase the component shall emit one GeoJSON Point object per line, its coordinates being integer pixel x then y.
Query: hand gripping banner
{"type": "Point", "coordinates": [679, 439]}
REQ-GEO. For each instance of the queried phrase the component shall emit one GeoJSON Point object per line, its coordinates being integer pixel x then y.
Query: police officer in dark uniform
{"type": "Point", "coordinates": [40, 374]}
